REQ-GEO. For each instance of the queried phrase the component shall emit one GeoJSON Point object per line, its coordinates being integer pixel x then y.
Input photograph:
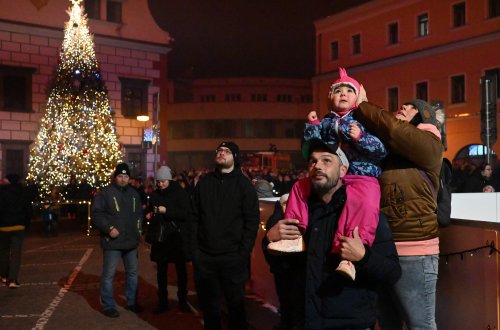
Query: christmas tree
{"type": "Point", "coordinates": [77, 137]}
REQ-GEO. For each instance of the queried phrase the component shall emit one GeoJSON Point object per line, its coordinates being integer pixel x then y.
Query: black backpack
{"type": "Point", "coordinates": [443, 196]}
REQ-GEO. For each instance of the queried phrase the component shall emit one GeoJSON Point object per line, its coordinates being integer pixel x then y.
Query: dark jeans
{"type": "Point", "coordinates": [217, 276]}
{"type": "Point", "coordinates": [162, 279]}
{"type": "Point", "coordinates": [289, 287]}
{"type": "Point", "coordinates": [11, 244]}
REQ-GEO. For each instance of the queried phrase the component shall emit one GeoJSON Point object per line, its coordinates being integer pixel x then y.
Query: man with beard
{"type": "Point", "coordinates": [226, 219]}
{"type": "Point", "coordinates": [330, 300]}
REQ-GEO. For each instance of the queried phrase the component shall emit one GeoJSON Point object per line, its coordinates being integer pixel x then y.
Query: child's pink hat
{"type": "Point", "coordinates": [344, 80]}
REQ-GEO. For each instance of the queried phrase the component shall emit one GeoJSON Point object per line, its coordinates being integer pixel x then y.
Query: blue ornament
{"type": "Point", "coordinates": [77, 72]}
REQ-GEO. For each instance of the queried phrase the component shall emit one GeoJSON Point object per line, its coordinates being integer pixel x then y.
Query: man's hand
{"type": "Point", "coordinates": [362, 96]}
{"type": "Point", "coordinates": [114, 233]}
{"type": "Point", "coordinates": [312, 116]}
{"type": "Point", "coordinates": [352, 248]}
{"type": "Point", "coordinates": [284, 229]}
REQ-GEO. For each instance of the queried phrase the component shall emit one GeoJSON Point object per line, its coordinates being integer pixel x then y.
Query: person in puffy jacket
{"type": "Point", "coordinates": [117, 213]}
{"type": "Point", "coordinates": [409, 180]}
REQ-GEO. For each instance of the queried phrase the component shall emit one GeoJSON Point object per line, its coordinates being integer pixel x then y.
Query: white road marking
{"type": "Point", "coordinates": [45, 316]}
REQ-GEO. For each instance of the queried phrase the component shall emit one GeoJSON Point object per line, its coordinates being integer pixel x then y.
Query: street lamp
{"type": "Point", "coordinates": [142, 118]}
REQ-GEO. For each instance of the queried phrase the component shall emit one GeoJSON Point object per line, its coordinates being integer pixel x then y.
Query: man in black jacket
{"type": "Point", "coordinates": [117, 213]}
{"type": "Point", "coordinates": [226, 218]}
{"type": "Point", "coordinates": [332, 301]}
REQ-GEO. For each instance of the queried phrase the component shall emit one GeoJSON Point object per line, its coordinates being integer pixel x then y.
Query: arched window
{"type": "Point", "coordinates": [476, 154]}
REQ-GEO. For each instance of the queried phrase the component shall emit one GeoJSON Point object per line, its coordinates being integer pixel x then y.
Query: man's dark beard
{"type": "Point", "coordinates": [323, 188]}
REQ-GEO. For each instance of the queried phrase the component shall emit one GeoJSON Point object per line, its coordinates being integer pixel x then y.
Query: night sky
{"type": "Point", "coordinates": [237, 38]}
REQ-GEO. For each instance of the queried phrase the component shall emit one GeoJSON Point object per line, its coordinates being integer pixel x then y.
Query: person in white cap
{"type": "Point", "coordinates": [327, 299]}
{"type": "Point", "coordinates": [361, 152]}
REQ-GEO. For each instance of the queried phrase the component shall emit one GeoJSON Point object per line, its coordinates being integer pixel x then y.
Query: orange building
{"type": "Point", "coordinates": [259, 114]}
{"type": "Point", "coordinates": [400, 50]}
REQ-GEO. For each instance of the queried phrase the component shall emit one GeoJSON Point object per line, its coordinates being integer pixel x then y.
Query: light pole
{"type": "Point", "coordinates": [156, 129]}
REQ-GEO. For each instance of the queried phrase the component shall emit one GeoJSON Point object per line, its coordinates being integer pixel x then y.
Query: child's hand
{"type": "Point", "coordinates": [354, 132]}
{"type": "Point", "coordinates": [362, 96]}
{"type": "Point", "coordinates": [312, 116]}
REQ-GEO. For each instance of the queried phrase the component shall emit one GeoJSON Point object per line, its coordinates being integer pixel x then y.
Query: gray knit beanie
{"type": "Point", "coordinates": [164, 173]}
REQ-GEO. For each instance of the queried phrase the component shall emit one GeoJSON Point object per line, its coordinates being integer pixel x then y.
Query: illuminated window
{"type": "Point", "coordinates": [423, 25]}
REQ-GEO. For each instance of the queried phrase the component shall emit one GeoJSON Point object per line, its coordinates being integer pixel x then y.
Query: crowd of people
{"type": "Point", "coordinates": [353, 240]}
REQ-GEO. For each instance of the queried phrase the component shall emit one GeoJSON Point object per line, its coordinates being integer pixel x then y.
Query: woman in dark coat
{"type": "Point", "coordinates": [168, 235]}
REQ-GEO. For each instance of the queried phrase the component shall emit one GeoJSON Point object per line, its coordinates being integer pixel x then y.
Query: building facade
{"type": "Point", "coordinates": [131, 50]}
{"type": "Point", "coordinates": [401, 50]}
{"type": "Point", "coordinates": [264, 116]}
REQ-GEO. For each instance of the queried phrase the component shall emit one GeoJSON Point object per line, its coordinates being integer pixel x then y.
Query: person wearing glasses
{"type": "Point", "coordinates": [226, 219]}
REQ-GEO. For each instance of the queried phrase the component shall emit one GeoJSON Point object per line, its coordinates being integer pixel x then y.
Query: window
{"type": "Point", "coordinates": [285, 98]}
{"type": "Point", "coordinates": [459, 14]}
{"type": "Point", "coordinates": [114, 11]}
{"type": "Point", "coordinates": [93, 8]}
{"type": "Point", "coordinates": [134, 97]}
{"type": "Point", "coordinates": [422, 91]}
{"type": "Point", "coordinates": [15, 88]}
{"type": "Point", "coordinates": [493, 8]}
{"type": "Point", "coordinates": [423, 25]}
{"type": "Point", "coordinates": [306, 98]}
{"type": "Point", "coordinates": [15, 156]}
{"type": "Point", "coordinates": [136, 162]}
{"type": "Point", "coordinates": [494, 73]}
{"type": "Point", "coordinates": [259, 97]}
{"type": "Point", "coordinates": [232, 98]}
{"type": "Point", "coordinates": [334, 50]}
{"type": "Point", "coordinates": [458, 89]}
{"type": "Point", "coordinates": [392, 96]}
{"type": "Point", "coordinates": [393, 34]}
{"type": "Point", "coordinates": [207, 98]}
{"type": "Point", "coordinates": [356, 44]}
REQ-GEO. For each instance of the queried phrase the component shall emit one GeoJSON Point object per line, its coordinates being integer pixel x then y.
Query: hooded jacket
{"type": "Point", "coordinates": [406, 196]}
{"type": "Point", "coordinates": [118, 207]}
{"type": "Point", "coordinates": [225, 213]}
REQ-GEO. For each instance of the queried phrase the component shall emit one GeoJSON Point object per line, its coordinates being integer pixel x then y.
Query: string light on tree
{"type": "Point", "coordinates": [77, 136]}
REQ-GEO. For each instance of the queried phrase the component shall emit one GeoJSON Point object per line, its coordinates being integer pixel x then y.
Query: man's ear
{"type": "Point", "coordinates": [343, 170]}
